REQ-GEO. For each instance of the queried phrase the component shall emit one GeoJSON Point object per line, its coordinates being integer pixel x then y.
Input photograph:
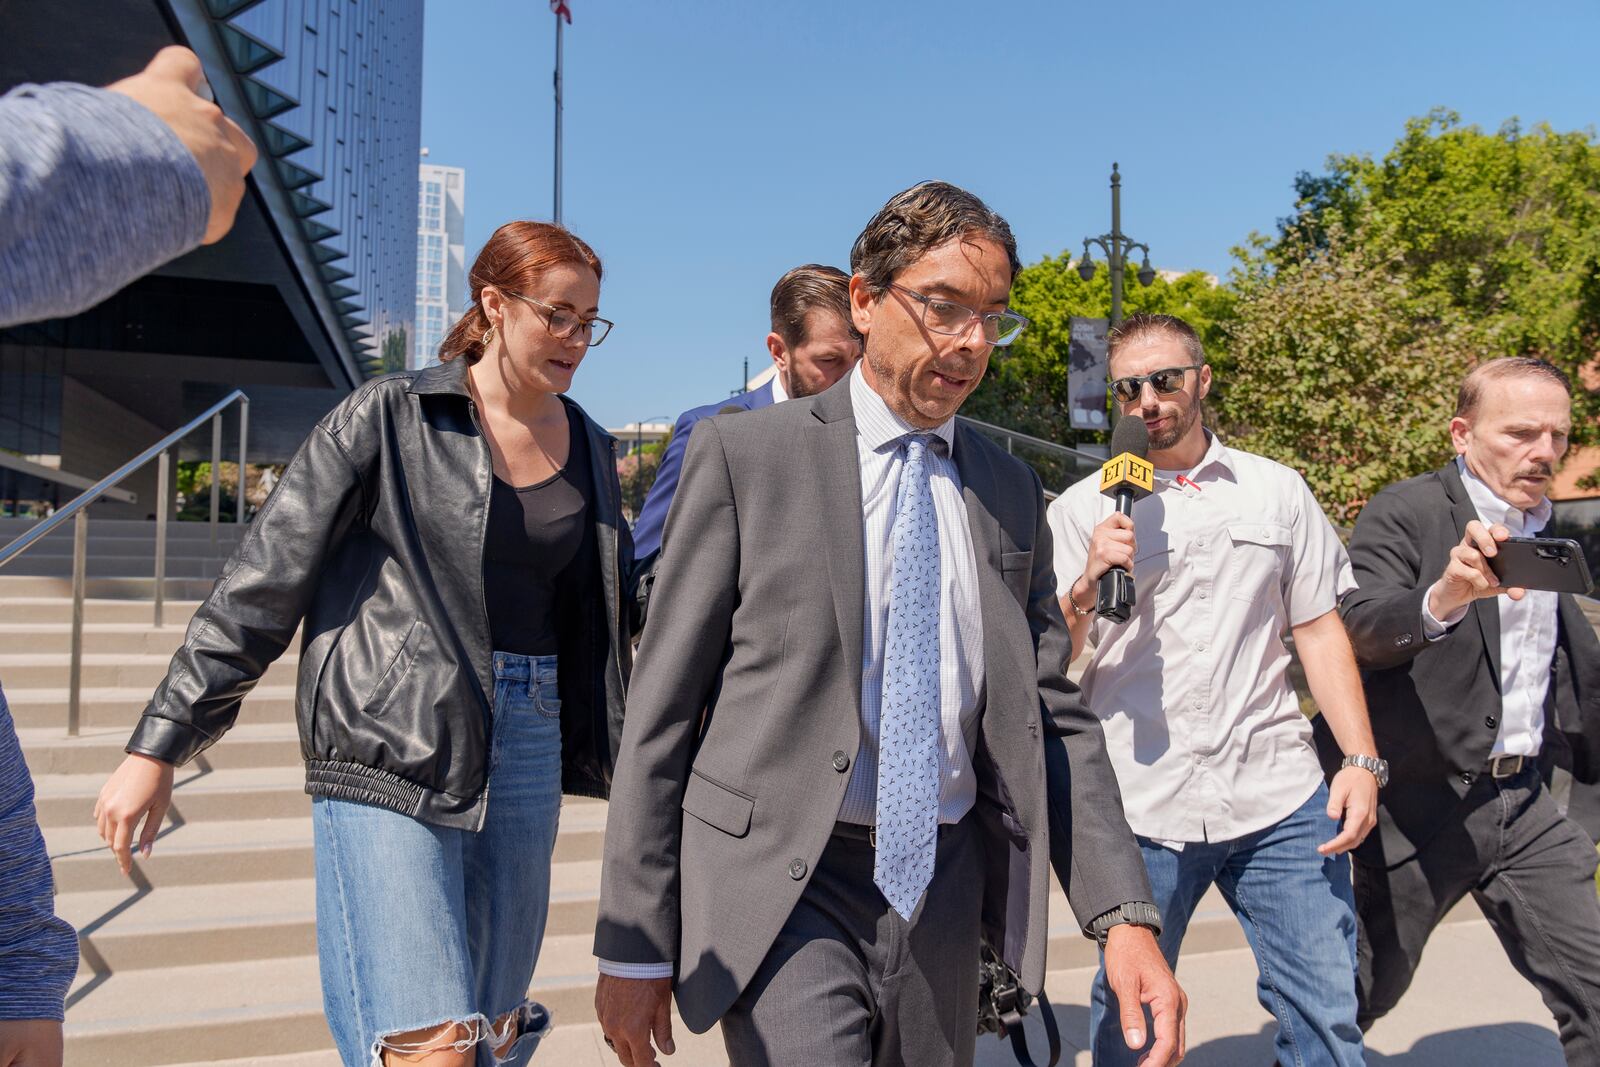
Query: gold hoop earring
{"type": "Point", "coordinates": [488, 337]}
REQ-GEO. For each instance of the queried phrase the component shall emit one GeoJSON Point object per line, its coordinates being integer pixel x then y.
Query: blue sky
{"type": "Point", "coordinates": [713, 144]}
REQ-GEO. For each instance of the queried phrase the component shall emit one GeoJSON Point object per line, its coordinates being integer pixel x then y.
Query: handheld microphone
{"type": "Point", "coordinates": [1125, 477]}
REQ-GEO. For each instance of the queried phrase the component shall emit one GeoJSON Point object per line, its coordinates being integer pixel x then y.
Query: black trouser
{"type": "Point", "coordinates": [849, 983]}
{"type": "Point", "coordinates": [1530, 869]}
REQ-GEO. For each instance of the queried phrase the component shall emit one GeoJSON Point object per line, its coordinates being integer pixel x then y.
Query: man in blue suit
{"type": "Point", "coordinates": [813, 344]}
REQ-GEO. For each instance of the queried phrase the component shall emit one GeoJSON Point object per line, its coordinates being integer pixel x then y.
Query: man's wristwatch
{"type": "Point", "coordinates": [1378, 767]}
{"type": "Point", "coordinates": [1137, 912]}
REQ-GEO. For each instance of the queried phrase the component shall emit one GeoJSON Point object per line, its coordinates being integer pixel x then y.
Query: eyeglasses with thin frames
{"type": "Point", "coordinates": [1166, 381]}
{"type": "Point", "coordinates": [562, 323]}
{"type": "Point", "coordinates": [999, 328]}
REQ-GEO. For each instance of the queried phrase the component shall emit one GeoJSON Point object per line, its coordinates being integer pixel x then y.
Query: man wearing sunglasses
{"type": "Point", "coordinates": [1219, 776]}
{"type": "Point", "coordinates": [844, 766]}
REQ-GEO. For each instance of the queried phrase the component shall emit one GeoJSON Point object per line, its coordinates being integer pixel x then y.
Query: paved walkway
{"type": "Point", "coordinates": [1467, 1009]}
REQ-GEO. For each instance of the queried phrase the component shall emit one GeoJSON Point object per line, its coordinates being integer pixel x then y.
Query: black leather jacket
{"type": "Point", "coordinates": [374, 537]}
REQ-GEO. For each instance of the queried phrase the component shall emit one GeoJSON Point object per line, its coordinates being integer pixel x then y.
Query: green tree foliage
{"type": "Point", "coordinates": [1026, 385]}
{"type": "Point", "coordinates": [1396, 276]}
{"type": "Point", "coordinates": [1336, 369]}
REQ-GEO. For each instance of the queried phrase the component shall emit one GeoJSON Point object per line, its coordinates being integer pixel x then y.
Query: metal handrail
{"type": "Point", "coordinates": [77, 511]}
{"type": "Point", "coordinates": [12, 462]}
{"type": "Point", "coordinates": [1036, 442]}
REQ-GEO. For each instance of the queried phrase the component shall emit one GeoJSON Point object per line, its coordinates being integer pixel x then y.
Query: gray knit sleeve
{"type": "Point", "coordinates": [38, 951]}
{"type": "Point", "coordinates": [95, 190]}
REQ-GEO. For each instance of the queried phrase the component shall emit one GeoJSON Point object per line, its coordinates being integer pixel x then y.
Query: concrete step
{"type": "Point", "coordinates": [326, 1058]}
{"type": "Point", "coordinates": [15, 527]}
{"type": "Point", "coordinates": [99, 749]}
{"type": "Point", "coordinates": [204, 853]}
{"type": "Point", "coordinates": [203, 1013]}
{"type": "Point", "coordinates": [99, 638]}
{"type": "Point", "coordinates": [131, 565]}
{"type": "Point", "coordinates": [198, 796]}
{"type": "Point", "coordinates": [102, 588]}
{"type": "Point", "coordinates": [25, 610]}
{"type": "Point", "coordinates": [121, 706]}
{"type": "Point", "coordinates": [115, 670]}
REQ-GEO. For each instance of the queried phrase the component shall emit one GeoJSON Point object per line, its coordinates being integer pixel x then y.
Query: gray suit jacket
{"type": "Point", "coordinates": [745, 709]}
{"type": "Point", "coordinates": [1436, 706]}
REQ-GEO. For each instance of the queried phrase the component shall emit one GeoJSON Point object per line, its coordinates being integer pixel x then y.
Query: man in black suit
{"type": "Point", "coordinates": [1476, 692]}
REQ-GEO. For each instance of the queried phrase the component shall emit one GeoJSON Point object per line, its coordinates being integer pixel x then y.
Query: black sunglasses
{"type": "Point", "coordinates": [1165, 381]}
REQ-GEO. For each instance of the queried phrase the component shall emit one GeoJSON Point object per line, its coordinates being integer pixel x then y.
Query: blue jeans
{"type": "Point", "coordinates": [1298, 912]}
{"type": "Point", "coordinates": [419, 926]}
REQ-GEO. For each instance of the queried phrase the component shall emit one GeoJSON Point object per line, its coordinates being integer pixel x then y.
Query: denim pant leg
{"type": "Point", "coordinates": [1178, 879]}
{"type": "Point", "coordinates": [1298, 910]}
{"type": "Point", "coordinates": [391, 935]}
{"type": "Point", "coordinates": [508, 862]}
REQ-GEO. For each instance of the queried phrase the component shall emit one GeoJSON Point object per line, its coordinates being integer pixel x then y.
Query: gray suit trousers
{"type": "Point", "coordinates": [849, 983]}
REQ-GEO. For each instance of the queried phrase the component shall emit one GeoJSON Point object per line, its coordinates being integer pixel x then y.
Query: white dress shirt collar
{"type": "Point", "coordinates": [779, 393]}
{"type": "Point", "coordinates": [880, 427]}
{"type": "Point", "coordinates": [1491, 507]}
{"type": "Point", "coordinates": [1217, 454]}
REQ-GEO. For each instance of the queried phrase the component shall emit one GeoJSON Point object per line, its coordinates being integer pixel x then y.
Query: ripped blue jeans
{"type": "Point", "coordinates": [420, 926]}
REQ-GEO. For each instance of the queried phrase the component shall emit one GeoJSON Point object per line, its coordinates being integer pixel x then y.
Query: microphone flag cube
{"type": "Point", "coordinates": [1129, 472]}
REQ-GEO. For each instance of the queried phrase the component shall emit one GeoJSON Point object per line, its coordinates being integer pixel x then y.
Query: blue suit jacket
{"type": "Point", "coordinates": [653, 515]}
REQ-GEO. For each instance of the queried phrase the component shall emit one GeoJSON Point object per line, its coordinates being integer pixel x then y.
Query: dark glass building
{"type": "Point", "coordinates": [312, 291]}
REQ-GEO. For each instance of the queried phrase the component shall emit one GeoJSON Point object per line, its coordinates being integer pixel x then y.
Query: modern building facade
{"type": "Point", "coordinates": [311, 292]}
{"type": "Point", "coordinates": [441, 257]}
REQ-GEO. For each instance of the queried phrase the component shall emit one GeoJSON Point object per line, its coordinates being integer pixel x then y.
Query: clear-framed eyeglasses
{"type": "Point", "coordinates": [563, 323]}
{"type": "Point", "coordinates": [999, 328]}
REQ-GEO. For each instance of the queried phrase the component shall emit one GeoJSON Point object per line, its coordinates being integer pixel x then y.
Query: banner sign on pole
{"type": "Point", "coordinates": [1086, 374]}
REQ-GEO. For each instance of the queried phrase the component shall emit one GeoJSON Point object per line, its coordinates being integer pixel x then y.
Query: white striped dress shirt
{"type": "Point", "coordinates": [879, 433]}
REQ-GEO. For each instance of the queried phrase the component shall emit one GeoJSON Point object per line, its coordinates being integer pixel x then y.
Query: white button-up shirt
{"type": "Point", "coordinates": [1527, 628]}
{"type": "Point", "coordinates": [1201, 720]}
{"type": "Point", "coordinates": [878, 435]}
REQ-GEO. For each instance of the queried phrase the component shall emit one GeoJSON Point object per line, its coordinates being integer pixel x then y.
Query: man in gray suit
{"type": "Point", "coordinates": [849, 729]}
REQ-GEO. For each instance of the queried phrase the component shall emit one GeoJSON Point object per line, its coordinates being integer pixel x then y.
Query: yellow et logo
{"type": "Point", "coordinates": [1127, 469]}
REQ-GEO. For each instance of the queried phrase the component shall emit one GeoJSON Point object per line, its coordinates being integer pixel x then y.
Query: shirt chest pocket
{"type": "Point", "coordinates": [1260, 552]}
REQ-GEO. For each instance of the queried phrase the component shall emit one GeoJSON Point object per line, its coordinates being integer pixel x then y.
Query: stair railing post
{"type": "Point", "coordinates": [244, 436]}
{"type": "Point", "coordinates": [216, 474]}
{"type": "Point", "coordinates": [163, 482]}
{"type": "Point", "coordinates": [80, 550]}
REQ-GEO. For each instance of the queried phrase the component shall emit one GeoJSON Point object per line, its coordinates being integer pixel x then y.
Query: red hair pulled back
{"type": "Point", "coordinates": [514, 258]}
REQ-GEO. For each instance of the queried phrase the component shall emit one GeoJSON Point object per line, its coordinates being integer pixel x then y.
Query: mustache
{"type": "Point", "coordinates": [1538, 470]}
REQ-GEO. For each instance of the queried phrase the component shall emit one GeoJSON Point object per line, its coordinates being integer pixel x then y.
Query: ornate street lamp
{"type": "Point", "coordinates": [1116, 246]}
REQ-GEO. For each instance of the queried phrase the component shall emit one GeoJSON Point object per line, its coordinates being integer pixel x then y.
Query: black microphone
{"type": "Point", "coordinates": [1127, 476]}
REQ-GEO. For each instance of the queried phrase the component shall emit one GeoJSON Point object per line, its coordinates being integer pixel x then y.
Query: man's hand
{"type": "Point", "coordinates": [141, 788]}
{"type": "Point", "coordinates": [1137, 974]}
{"type": "Point", "coordinates": [1111, 544]}
{"type": "Point", "coordinates": [630, 1010]}
{"type": "Point", "coordinates": [1352, 796]}
{"type": "Point", "coordinates": [169, 87]}
{"type": "Point", "coordinates": [1467, 577]}
{"type": "Point", "coordinates": [30, 1043]}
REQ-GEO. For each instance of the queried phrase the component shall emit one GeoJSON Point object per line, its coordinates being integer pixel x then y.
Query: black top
{"type": "Point", "coordinates": [539, 552]}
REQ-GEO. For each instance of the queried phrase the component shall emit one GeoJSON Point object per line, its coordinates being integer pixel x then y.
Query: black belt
{"type": "Point", "coordinates": [854, 831]}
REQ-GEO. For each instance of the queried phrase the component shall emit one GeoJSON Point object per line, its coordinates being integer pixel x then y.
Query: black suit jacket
{"type": "Point", "coordinates": [1435, 707]}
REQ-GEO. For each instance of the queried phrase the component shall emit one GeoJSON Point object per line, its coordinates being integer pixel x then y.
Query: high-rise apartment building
{"type": "Point", "coordinates": [441, 257]}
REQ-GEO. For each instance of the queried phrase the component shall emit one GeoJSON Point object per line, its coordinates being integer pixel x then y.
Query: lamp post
{"type": "Point", "coordinates": [1116, 246]}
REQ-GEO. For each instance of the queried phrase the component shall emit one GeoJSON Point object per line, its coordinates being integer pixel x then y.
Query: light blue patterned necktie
{"type": "Point", "coordinates": [908, 729]}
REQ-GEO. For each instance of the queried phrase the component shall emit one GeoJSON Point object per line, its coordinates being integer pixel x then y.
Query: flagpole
{"type": "Point", "coordinates": [558, 119]}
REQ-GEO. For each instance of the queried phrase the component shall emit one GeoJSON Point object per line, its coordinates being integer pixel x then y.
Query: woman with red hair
{"type": "Point", "coordinates": [451, 545]}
